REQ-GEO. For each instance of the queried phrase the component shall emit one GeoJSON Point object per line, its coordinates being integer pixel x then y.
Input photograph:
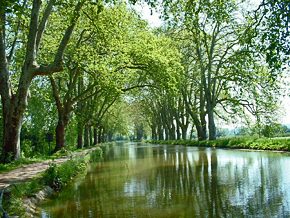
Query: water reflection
{"type": "Point", "coordinates": [176, 181]}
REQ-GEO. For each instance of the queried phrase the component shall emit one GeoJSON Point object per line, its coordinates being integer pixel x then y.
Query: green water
{"type": "Point", "coordinates": [139, 180]}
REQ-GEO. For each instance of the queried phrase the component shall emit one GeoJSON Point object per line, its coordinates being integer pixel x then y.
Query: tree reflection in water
{"type": "Point", "coordinates": [176, 181]}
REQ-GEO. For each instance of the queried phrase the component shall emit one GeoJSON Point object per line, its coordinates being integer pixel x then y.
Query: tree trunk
{"type": "Point", "coordinates": [202, 116]}
{"type": "Point", "coordinates": [103, 135]}
{"type": "Point", "coordinates": [184, 132]}
{"type": "Point", "coordinates": [13, 112]}
{"type": "Point", "coordinates": [153, 131]}
{"type": "Point", "coordinates": [95, 136]}
{"type": "Point", "coordinates": [100, 135]}
{"type": "Point", "coordinates": [11, 142]}
{"type": "Point", "coordinates": [178, 134]}
{"type": "Point", "coordinates": [80, 135]}
{"type": "Point", "coordinates": [211, 124]}
{"type": "Point", "coordinates": [201, 134]}
{"type": "Point", "coordinates": [160, 132]}
{"type": "Point", "coordinates": [60, 133]}
{"type": "Point", "coordinates": [86, 136]}
{"type": "Point", "coordinates": [80, 141]}
{"type": "Point", "coordinates": [90, 135]}
{"type": "Point", "coordinates": [166, 134]}
{"type": "Point", "coordinates": [178, 124]}
{"type": "Point", "coordinates": [199, 125]}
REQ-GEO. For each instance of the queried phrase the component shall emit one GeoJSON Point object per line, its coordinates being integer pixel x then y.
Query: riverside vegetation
{"type": "Point", "coordinates": [279, 144]}
{"type": "Point", "coordinates": [56, 176]}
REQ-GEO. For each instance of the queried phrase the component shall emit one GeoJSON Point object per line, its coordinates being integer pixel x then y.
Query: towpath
{"type": "Point", "coordinates": [29, 171]}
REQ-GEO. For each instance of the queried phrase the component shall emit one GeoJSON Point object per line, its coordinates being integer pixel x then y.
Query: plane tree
{"type": "Point", "coordinates": [24, 55]}
{"type": "Point", "coordinates": [271, 34]}
{"type": "Point", "coordinates": [215, 54]}
{"type": "Point", "coordinates": [126, 56]}
{"type": "Point", "coordinates": [16, 25]}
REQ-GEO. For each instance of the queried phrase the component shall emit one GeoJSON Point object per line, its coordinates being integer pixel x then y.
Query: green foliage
{"type": "Point", "coordinates": [55, 176]}
{"type": "Point", "coordinates": [273, 17]}
{"type": "Point", "coordinates": [12, 202]}
{"type": "Point", "coordinates": [281, 144]}
{"type": "Point", "coordinates": [58, 175]}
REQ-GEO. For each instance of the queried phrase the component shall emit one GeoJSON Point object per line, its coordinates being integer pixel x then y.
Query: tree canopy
{"type": "Point", "coordinates": [91, 71]}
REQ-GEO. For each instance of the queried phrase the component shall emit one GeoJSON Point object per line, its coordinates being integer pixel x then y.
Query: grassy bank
{"type": "Point", "coordinates": [29, 160]}
{"type": "Point", "coordinates": [279, 144]}
{"type": "Point", "coordinates": [56, 176]}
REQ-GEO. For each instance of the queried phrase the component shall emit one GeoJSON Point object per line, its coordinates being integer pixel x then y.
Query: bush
{"type": "Point", "coordinates": [58, 175]}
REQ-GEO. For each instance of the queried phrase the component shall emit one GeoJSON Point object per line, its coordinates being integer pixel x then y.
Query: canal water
{"type": "Point", "coordinates": [145, 180]}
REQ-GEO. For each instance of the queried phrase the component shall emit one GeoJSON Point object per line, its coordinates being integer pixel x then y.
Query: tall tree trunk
{"type": "Point", "coordinates": [211, 123]}
{"type": "Point", "coordinates": [184, 132]}
{"type": "Point", "coordinates": [202, 116]}
{"type": "Point", "coordinates": [11, 142]}
{"type": "Point", "coordinates": [201, 134]}
{"type": "Point", "coordinates": [95, 136]}
{"type": "Point", "coordinates": [153, 131]}
{"type": "Point", "coordinates": [178, 134]}
{"type": "Point", "coordinates": [13, 111]}
{"type": "Point", "coordinates": [103, 135]}
{"type": "Point", "coordinates": [14, 105]}
{"type": "Point", "coordinates": [86, 136]}
{"type": "Point", "coordinates": [80, 141]}
{"type": "Point", "coordinates": [80, 135]}
{"type": "Point", "coordinates": [60, 133]}
{"type": "Point", "coordinates": [64, 110]}
{"type": "Point", "coordinates": [199, 125]}
{"type": "Point", "coordinates": [90, 135]}
{"type": "Point", "coordinates": [160, 132]}
{"type": "Point", "coordinates": [100, 135]}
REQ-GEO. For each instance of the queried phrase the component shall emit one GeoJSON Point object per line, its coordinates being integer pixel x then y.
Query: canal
{"type": "Point", "coordinates": [145, 180]}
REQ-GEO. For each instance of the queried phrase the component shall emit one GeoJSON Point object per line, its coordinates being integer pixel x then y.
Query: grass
{"type": "Point", "coordinates": [25, 161]}
{"type": "Point", "coordinates": [279, 144]}
{"type": "Point", "coordinates": [56, 176]}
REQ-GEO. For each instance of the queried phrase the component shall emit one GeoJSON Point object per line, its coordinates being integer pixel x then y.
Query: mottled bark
{"type": "Point", "coordinates": [14, 104]}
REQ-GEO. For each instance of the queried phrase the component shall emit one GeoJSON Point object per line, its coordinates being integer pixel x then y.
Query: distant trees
{"type": "Point", "coordinates": [223, 72]}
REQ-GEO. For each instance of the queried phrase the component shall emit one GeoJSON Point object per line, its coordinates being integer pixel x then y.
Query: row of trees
{"type": "Point", "coordinates": [88, 53]}
{"type": "Point", "coordinates": [74, 60]}
{"type": "Point", "coordinates": [233, 56]}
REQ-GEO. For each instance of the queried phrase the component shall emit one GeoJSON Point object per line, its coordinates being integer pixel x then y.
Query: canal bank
{"type": "Point", "coordinates": [269, 144]}
{"type": "Point", "coordinates": [38, 181]}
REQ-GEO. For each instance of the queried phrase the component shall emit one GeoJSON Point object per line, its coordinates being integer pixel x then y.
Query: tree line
{"type": "Point", "coordinates": [65, 67]}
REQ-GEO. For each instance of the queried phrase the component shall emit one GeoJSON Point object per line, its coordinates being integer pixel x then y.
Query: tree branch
{"type": "Point", "coordinates": [61, 49]}
{"type": "Point", "coordinates": [31, 43]}
{"type": "Point", "coordinates": [43, 23]}
{"type": "Point", "coordinates": [56, 95]}
{"type": "Point", "coordinates": [5, 84]}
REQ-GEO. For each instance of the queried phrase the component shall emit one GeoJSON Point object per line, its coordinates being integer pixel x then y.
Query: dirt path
{"type": "Point", "coordinates": [29, 171]}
